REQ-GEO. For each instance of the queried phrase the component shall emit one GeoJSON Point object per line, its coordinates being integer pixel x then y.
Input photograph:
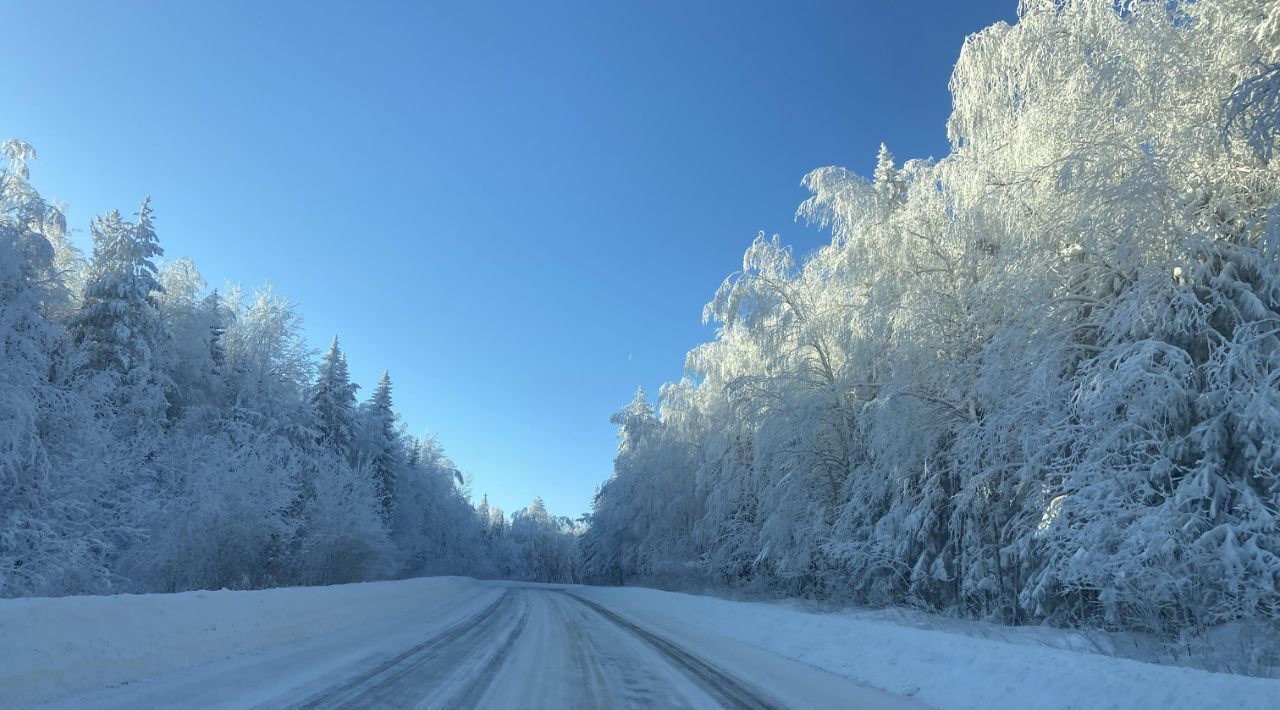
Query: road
{"type": "Point", "coordinates": [506, 647]}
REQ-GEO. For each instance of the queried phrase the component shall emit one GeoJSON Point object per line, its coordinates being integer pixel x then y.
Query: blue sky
{"type": "Point", "coordinates": [518, 208]}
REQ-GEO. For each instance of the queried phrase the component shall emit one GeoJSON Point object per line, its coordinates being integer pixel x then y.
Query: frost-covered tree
{"type": "Point", "coordinates": [119, 333]}
{"type": "Point", "coordinates": [118, 323]}
{"type": "Point", "coordinates": [226, 523]}
{"type": "Point", "coordinates": [343, 538]}
{"type": "Point", "coordinates": [379, 443]}
{"type": "Point", "coordinates": [545, 547]}
{"type": "Point", "coordinates": [46, 544]}
{"type": "Point", "coordinates": [1032, 380]}
{"type": "Point", "coordinates": [434, 525]}
{"type": "Point", "coordinates": [333, 399]}
{"type": "Point", "coordinates": [155, 436]}
{"type": "Point", "coordinates": [193, 361]}
{"type": "Point", "coordinates": [266, 363]}
{"type": "Point", "coordinates": [643, 515]}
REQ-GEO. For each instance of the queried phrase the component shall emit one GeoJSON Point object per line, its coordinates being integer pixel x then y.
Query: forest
{"type": "Point", "coordinates": [1036, 380]}
{"type": "Point", "coordinates": [159, 436]}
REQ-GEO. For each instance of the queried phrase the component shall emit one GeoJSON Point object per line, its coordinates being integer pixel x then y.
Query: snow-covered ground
{"type": "Point", "coordinates": [458, 641]}
{"type": "Point", "coordinates": [941, 668]}
{"type": "Point", "coordinates": [53, 648]}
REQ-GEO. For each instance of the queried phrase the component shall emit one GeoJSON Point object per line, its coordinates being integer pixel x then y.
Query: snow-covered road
{"type": "Point", "coordinates": [499, 646]}
{"type": "Point", "coordinates": [459, 642]}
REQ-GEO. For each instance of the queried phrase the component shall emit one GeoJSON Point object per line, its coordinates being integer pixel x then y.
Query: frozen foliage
{"type": "Point", "coordinates": [542, 548]}
{"type": "Point", "coordinates": [1035, 380]}
{"type": "Point", "coordinates": [156, 436]}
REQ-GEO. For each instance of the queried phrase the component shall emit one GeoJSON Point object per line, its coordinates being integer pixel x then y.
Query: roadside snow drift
{"type": "Point", "coordinates": [54, 647]}
{"type": "Point", "coordinates": [943, 670]}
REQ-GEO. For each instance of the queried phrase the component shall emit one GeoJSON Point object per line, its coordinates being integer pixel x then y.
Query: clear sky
{"type": "Point", "coordinates": [518, 208]}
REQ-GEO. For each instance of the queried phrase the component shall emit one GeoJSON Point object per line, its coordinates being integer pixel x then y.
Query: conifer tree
{"type": "Point", "coordinates": [118, 324]}
{"type": "Point", "coordinates": [333, 401]}
{"type": "Point", "coordinates": [381, 446]}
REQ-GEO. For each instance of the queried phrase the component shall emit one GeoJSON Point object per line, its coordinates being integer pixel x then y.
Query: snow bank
{"type": "Point", "coordinates": [51, 648]}
{"type": "Point", "coordinates": [945, 670]}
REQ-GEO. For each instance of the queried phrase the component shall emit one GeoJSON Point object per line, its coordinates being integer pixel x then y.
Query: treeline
{"type": "Point", "coordinates": [1035, 380]}
{"type": "Point", "coordinates": [155, 436]}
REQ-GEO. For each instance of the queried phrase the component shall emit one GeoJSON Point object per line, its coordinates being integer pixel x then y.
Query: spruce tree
{"type": "Point", "coordinates": [118, 324]}
{"type": "Point", "coordinates": [380, 444]}
{"type": "Point", "coordinates": [333, 401]}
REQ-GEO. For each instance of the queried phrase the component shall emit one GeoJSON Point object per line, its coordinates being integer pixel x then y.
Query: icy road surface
{"type": "Point", "coordinates": [504, 646]}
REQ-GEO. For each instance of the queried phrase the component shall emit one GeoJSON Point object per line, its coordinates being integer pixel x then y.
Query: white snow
{"type": "Point", "coordinates": [942, 669]}
{"type": "Point", "coordinates": [277, 643]}
{"type": "Point", "coordinates": [56, 647]}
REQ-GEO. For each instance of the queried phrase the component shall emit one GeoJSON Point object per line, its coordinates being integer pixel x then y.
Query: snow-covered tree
{"type": "Point", "coordinates": [1034, 379]}
{"type": "Point", "coordinates": [379, 443]}
{"type": "Point", "coordinates": [45, 542]}
{"type": "Point", "coordinates": [333, 399]}
{"type": "Point", "coordinates": [156, 436]}
{"type": "Point", "coordinates": [118, 323]}
{"type": "Point", "coordinates": [545, 547]}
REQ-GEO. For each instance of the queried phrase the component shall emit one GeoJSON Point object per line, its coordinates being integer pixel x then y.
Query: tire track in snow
{"type": "Point", "coordinates": [729, 691]}
{"type": "Point", "coordinates": [397, 680]}
{"type": "Point", "coordinates": [595, 682]}
{"type": "Point", "coordinates": [481, 681]}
